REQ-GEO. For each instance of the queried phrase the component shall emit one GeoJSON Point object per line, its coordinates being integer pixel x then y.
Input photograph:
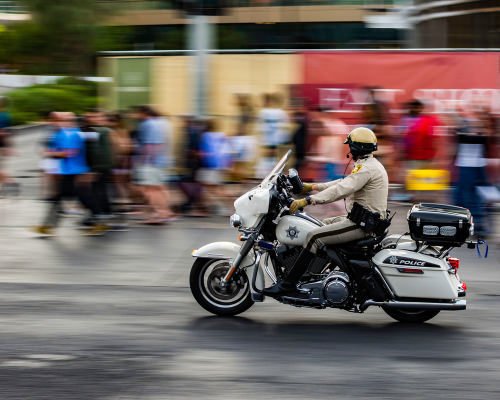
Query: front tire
{"type": "Point", "coordinates": [411, 316]}
{"type": "Point", "coordinates": [204, 280]}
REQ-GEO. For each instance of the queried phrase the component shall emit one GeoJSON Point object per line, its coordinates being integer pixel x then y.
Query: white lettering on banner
{"type": "Point", "coordinates": [388, 95]}
{"type": "Point", "coordinates": [352, 99]}
{"type": "Point", "coordinates": [447, 100]}
{"type": "Point", "coordinates": [440, 100]}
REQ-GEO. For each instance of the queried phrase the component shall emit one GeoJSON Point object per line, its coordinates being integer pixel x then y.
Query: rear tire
{"type": "Point", "coordinates": [411, 316]}
{"type": "Point", "coordinates": [204, 282]}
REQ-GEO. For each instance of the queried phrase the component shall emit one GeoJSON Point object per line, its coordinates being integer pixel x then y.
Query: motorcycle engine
{"type": "Point", "coordinates": [336, 288]}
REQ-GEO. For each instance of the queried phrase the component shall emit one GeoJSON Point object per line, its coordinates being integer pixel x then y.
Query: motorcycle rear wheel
{"type": "Point", "coordinates": [204, 281]}
{"type": "Point", "coordinates": [411, 316]}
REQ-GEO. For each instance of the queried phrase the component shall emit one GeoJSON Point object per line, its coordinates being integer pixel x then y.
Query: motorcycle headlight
{"type": "Point", "coordinates": [235, 221]}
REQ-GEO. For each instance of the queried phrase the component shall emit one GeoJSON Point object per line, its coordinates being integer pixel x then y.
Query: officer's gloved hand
{"type": "Point", "coordinates": [306, 188]}
{"type": "Point", "coordinates": [296, 204]}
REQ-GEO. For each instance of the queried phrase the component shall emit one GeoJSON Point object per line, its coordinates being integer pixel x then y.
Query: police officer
{"type": "Point", "coordinates": [365, 189]}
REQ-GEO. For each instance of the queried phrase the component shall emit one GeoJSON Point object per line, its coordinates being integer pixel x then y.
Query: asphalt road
{"type": "Point", "coordinates": [113, 318]}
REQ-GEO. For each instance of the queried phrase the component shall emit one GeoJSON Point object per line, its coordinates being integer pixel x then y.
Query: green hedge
{"type": "Point", "coordinates": [67, 94]}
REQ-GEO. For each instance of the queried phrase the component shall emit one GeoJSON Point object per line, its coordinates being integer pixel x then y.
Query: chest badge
{"type": "Point", "coordinates": [292, 232]}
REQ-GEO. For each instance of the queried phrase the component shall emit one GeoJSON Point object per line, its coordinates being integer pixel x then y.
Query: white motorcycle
{"type": "Point", "coordinates": [410, 276]}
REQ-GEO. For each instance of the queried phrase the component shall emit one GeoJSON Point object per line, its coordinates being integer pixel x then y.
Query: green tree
{"type": "Point", "coordinates": [60, 38]}
{"type": "Point", "coordinates": [70, 94]}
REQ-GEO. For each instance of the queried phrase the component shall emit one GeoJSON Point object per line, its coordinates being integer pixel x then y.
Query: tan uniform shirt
{"type": "Point", "coordinates": [367, 185]}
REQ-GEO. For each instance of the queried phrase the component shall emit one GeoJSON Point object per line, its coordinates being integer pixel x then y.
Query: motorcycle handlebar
{"type": "Point", "coordinates": [295, 182]}
{"type": "Point", "coordinates": [286, 189]}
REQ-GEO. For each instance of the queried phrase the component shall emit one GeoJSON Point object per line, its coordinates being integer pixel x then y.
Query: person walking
{"type": "Point", "coordinates": [122, 151]}
{"type": "Point", "coordinates": [273, 123]}
{"type": "Point", "coordinates": [99, 155]}
{"type": "Point", "coordinates": [422, 151]}
{"type": "Point", "coordinates": [215, 151]}
{"type": "Point", "coordinates": [151, 162]}
{"type": "Point", "coordinates": [420, 136]}
{"type": "Point", "coordinates": [49, 166]}
{"type": "Point", "coordinates": [192, 130]}
{"type": "Point", "coordinates": [299, 138]}
{"type": "Point", "coordinates": [472, 147]}
{"type": "Point", "coordinates": [68, 146]}
{"type": "Point", "coordinates": [246, 114]}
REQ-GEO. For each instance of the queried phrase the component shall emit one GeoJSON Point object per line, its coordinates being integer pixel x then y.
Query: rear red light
{"type": "Point", "coordinates": [411, 271]}
{"type": "Point", "coordinates": [454, 262]}
{"type": "Point", "coordinates": [464, 286]}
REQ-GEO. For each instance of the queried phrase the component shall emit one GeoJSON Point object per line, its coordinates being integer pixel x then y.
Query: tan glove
{"type": "Point", "coordinates": [306, 188]}
{"type": "Point", "coordinates": [300, 203]}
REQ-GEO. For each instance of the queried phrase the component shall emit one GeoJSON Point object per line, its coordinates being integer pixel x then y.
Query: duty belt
{"type": "Point", "coordinates": [368, 221]}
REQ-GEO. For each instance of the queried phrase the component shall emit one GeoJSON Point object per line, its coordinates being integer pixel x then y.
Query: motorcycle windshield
{"type": "Point", "coordinates": [278, 168]}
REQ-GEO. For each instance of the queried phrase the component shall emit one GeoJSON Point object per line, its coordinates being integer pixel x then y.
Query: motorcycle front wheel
{"type": "Point", "coordinates": [206, 275]}
{"type": "Point", "coordinates": [411, 316]}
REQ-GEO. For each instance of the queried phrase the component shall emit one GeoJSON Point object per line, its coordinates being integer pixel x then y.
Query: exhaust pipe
{"type": "Point", "coordinates": [415, 305]}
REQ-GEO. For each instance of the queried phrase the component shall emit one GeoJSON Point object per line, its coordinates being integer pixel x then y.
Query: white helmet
{"type": "Point", "coordinates": [361, 141]}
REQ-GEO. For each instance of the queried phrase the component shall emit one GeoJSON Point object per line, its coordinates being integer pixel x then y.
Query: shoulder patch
{"type": "Point", "coordinates": [356, 169]}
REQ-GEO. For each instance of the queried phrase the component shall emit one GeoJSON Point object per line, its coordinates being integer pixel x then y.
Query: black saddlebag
{"type": "Point", "coordinates": [440, 224]}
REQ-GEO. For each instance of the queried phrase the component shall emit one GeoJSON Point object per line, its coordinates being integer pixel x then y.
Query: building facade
{"type": "Point", "coordinates": [456, 24]}
{"type": "Point", "coordinates": [260, 24]}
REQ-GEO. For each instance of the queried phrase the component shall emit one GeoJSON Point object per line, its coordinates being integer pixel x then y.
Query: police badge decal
{"type": "Point", "coordinates": [292, 232]}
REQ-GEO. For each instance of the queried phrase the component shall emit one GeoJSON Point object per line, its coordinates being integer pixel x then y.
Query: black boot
{"type": "Point", "coordinates": [288, 286]}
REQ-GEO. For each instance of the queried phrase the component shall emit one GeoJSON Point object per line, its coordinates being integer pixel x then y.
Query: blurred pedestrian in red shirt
{"type": "Point", "coordinates": [420, 136]}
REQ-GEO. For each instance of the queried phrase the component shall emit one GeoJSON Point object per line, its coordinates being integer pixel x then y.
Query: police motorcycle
{"type": "Point", "coordinates": [410, 276]}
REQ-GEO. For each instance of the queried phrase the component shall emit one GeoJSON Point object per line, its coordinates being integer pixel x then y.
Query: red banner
{"type": "Point", "coordinates": [444, 80]}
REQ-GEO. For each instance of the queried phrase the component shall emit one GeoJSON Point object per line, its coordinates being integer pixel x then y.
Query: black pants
{"type": "Point", "coordinates": [100, 188]}
{"type": "Point", "coordinates": [67, 188]}
{"type": "Point", "coordinates": [192, 190]}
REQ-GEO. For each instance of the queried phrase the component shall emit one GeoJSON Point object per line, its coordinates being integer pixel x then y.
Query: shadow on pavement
{"type": "Point", "coordinates": [349, 333]}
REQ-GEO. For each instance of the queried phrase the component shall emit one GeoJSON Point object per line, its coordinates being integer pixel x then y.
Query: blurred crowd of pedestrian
{"type": "Point", "coordinates": [104, 161]}
{"type": "Point", "coordinates": [128, 163]}
{"type": "Point", "coordinates": [449, 157]}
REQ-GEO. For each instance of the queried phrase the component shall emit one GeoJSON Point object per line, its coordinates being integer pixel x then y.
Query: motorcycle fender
{"type": "Point", "coordinates": [229, 251]}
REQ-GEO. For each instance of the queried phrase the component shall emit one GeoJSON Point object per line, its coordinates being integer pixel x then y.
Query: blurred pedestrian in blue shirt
{"type": "Point", "coordinates": [69, 141]}
{"type": "Point", "coordinates": [151, 162]}
{"type": "Point", "coordinates": [68, 145]}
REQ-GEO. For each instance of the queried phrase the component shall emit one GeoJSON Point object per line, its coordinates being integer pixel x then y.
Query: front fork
{"type": "Point", "coordinates": [245, 249]}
